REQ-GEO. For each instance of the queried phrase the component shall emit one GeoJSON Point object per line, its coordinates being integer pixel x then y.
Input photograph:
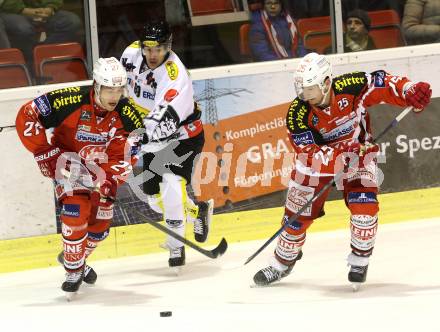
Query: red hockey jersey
{"type": "Point", "coordinates": [70, 115]}
{"type": "Point", "coordinates": [319, 136]}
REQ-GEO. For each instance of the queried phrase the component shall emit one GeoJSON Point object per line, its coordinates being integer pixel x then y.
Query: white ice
{"type": "Point", "coordinates": [402, 292]}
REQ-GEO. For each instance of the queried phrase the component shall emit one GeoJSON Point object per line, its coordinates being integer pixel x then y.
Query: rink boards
{"type": "Point", "coordinates": [41, 251]}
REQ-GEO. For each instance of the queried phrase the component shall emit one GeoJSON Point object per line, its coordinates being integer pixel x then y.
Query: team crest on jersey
{"type": "Point", "coordinates": [90, 152]}
{"type": "Point", "coordinates": [172, 70]}
{"type": "Point", "coordinates": [42, 105]}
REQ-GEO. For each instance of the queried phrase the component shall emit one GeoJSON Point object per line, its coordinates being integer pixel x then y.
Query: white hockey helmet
{"type": "Point", "coordinates": [108, 72]}
{"type": "Point", "coordinates": [312, 70]}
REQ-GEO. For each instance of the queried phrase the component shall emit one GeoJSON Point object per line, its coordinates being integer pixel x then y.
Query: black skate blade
{"type": "Point", "coordinates": [219, 250]}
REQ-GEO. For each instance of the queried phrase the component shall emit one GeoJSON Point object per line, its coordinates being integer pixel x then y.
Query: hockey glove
{"type": "Point", "coordinates": [362, 149]}
{"type": "Point", "coordinates": [366, 151]}
{"type": "Point", "coordinates": [418, 96]}
{"type": "Point", "coordinates": [105, 193]}
{"type": "Point", "coordinates": [47, 161]}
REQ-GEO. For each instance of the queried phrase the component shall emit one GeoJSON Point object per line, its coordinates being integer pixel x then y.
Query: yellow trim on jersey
{"type": "Point", "coordinates": [135, 44]}
{"type": "Point", "coordinates": [140, 109]}
{"type": "Point", "coordinates": [41, 251]}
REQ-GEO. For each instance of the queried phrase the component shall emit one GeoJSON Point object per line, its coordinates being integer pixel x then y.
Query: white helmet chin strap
{"type": "Point", "coordinates": [97, 88]}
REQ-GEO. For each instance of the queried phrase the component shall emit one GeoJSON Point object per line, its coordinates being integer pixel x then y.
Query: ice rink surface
{"type": "Point", "coordinates": [402, 292]}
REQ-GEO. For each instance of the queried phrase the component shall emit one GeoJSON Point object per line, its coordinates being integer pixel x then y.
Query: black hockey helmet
{"type": "Point", "coordinates": [156, 33]}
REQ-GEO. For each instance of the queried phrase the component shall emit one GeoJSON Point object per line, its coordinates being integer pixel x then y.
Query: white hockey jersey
{"type": "Point", "coordinates": [151, 91]}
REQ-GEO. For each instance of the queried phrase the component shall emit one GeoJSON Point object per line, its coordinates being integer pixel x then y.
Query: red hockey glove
{"type": "Point", "coordinates": [362, 149]}
{"type": "Point", "coordinates": [418, 96]}
{"type": "Point", "coordinates": [47, 161]}
{"type": "Point", "coordinates": [105, 193]}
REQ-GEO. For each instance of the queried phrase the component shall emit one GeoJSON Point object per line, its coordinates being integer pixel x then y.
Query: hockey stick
{"type": "Point", "coordinates": [214, 253]}
{"type": "Point", "coordinates": [336, 178]}
{"type": "Point", "coordinates": [7, 128]}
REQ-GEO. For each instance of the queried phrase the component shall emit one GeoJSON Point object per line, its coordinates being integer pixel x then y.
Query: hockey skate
{"type": "Point", "coordinates": [72, 283]}
{"type": "Point", "coordinates": [270, 274]}
{"type": "Point", "coordinates": [177, 258]}
{"type": "Point", "coordinates": [90, 275]}
{"type": "Point", "coordinates": [358, 270]}
{"type": "Point", "coordinates": [203, 220]}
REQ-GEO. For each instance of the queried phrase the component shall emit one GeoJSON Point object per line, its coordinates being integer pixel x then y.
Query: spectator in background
{"type": "Point", "coordinates": [373, 5]}
{"type": "Point", "coordinates": [22, 18]}
{"type": "Point", "coordinates": [273, 34]}
{"type": "Point", "coordinates": [356, 37]}
{"type": "Point", "coordinates": [4, 40]}
{"type": "Point", "coordinates": [421, 21]}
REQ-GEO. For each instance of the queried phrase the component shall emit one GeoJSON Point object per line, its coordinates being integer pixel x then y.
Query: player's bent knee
{"type": "Point", "coordinates": [75, 213]}
{"type": "Point", "coordinates": [298, 226]}
{"type": "Point", "coordinates": [363, 202]}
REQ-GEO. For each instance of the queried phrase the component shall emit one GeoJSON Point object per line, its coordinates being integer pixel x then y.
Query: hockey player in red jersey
{"type": "Point", "coordinates": [327, 123]}
{"type": "Point", "coordinates": [88, 154]}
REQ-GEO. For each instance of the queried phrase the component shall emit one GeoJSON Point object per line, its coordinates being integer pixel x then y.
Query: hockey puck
{"type": "Point", "coordinates": [166, 314]}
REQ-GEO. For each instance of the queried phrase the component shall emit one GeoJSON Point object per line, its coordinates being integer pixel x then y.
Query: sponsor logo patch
{"type": "Point", "coordinates": [172, 70]}
{"type": "Point", "coordinates": [42, 105]}
{"type": "Point", "coordinates": [340, 131]}
{"type": "Point", "coordinates": [295, 225]}
{"type": "Point", "coordinates": [84, 128]}
{"type": "Point", "coordinates": [297, 197]}
{"type": "Point", "coordinates": [379, 79]}
{"type": "Point", "coordinates": [82, 136]}
{"type": "Point", "coordinates": [303, 138]}
{"type": "Point", "coordinates": [359, 197]}
{"type": "Point", "coordinates": [170, 95]}
{"type": "Point", "coordinates": [70, 210]}
{"type": "Point", "coordinates": [66, 230]}
{"type": "Point", "coordinates": [173, 223]}
{"type": "Point", "coordinates": [85, 115]}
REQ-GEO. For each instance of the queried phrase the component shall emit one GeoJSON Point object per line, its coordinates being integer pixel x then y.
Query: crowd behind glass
{"type": "Point", "coordinates": [271, 30]}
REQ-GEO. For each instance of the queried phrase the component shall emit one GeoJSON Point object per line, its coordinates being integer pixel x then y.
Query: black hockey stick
{"type": "Point", "coordinates": [7, 128]}
{"type": "Point", "coordinates": [336, 178]}
{"type": "Point", "coordinates": [214, 253]}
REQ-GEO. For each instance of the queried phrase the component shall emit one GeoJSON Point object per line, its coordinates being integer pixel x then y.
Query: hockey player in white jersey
{"type": "Point", "coordinates": [159, 86]}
